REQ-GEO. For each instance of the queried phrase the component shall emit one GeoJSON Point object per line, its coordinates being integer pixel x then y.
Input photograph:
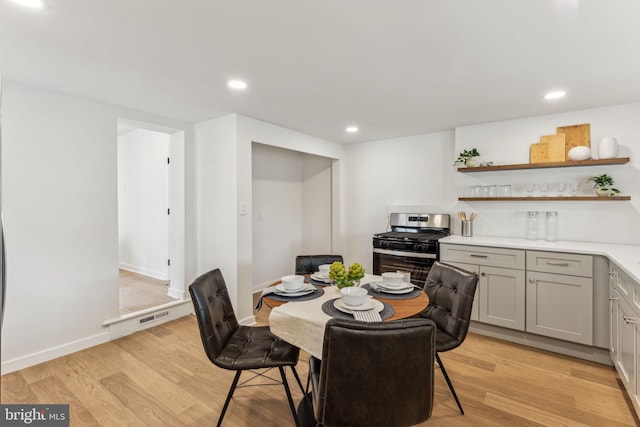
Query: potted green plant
{"type": "Point", "coordinates": [467, 158]}
{"type": "Point", "coordinates": [603, 185]}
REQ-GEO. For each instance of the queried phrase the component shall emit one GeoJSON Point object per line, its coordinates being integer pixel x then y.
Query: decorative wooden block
{"type": "Point", "coordinates": [555, 147]}
{"type": "Point", "coordinates": [538, 153]}
{"type": "Point", "coordinates": [575, 135]}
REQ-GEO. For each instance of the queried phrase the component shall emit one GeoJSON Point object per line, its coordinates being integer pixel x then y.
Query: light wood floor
{"type": "Point", "coordinates": [161, 377]}
{"type": "Point", "coordinates": [138, 292]}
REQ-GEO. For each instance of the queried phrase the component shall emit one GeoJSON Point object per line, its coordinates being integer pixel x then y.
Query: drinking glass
{"type": "Point", "coordinates": [493, 191]}
{"type": "Point", "coordinates": [530, 188]}
{"type": "Point", "coordinates": [552, 226]}
{"type": "Point", "coordinates": [543, 189]}
{"type": "Point", "coordinates": [532, 225]}
{"type": "Point", "coordinates": [505, 191]}
{"type": "Point", "coordinates": [562, 187]}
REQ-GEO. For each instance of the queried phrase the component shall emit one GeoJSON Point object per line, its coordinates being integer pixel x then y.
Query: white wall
{"type": "Point", "coordinates": [276, 211]}
{"type": "Point", "coordinates": [394, 175]}
{"type": "Point", "coordinates": [59, 191]}
{"type": "Point", "coordinates": [508, 142]}
{"type": "Point", "coordinates": [317, 226]}
{"type": "Point", "coordinates": [224, 182]}
{"type": "Point", "coordinates": [291, 210]}
{"type": "Point", "coordinates": [143, 199]}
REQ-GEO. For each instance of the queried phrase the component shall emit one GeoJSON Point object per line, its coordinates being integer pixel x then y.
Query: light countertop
{"type": "Point", "coordinates": [627, 257]}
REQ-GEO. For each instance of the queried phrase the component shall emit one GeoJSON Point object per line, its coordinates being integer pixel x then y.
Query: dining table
{"type": "Point", "coordinates": [301, 321]}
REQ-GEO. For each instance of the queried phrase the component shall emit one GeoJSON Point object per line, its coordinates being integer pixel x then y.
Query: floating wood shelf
{"type": "Point", "coordinates": [537, 199]}
{"type": "Point", "coordinates": [567, 164]}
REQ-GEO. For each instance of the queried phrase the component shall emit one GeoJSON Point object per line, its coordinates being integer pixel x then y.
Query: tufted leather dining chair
{"type": "Point", "coordinates": [371, 375]}
{"type": "Point", "coordinates": [451, 291]}
{"type": "Point", "coordinates": [308, 264]}
{"type": "Point", "coordinates": [231, 346]}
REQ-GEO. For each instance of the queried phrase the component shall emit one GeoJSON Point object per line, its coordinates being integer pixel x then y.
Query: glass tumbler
{"type": "Point", "coordinates": [552, 226]}
{"type": "Point", "coordinates": [505, 191]}
{"type": "Point", "coordinates": [532, 225]}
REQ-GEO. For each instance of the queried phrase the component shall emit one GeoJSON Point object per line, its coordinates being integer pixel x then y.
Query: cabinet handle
{"type": "Point", "coordinates": [483, 274]}
{"type": "Point", "coordinates": [613, 299]}
{"type": "Point", "coordinates": [558, 263]}
{"type": "Point", "coordinates": [532, 280]}
{"type": "Point", "coordinates": [478, 256]}
{"type": "Point", "coordinates": [630, 319]}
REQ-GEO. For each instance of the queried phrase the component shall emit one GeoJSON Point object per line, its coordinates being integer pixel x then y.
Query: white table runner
{"type": "Point", "coordinates": [302, 323]}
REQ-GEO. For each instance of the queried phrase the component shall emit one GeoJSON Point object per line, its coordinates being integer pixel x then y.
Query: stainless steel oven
{"type": "Point", "coordinates": [411, 245]}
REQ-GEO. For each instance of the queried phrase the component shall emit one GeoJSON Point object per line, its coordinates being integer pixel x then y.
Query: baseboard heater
{"type": "Point", "coordinates": [153, 317]}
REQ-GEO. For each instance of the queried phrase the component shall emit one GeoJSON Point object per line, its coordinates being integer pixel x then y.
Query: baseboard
{"type": "Point", "coordinates": [114, 328]}
{"type": "Point", "coordinates": [53, 353]}
{"type": "Point", "coordinates": [160, 275]}
{"type": "Point", "coordinates": [580, 351]}
{"type": "Point", "coordinates": [143, 319]}
{"type": "Point", "coordinates": [260, 286]}
{"type": "Point", "coordinates": [176, 292]}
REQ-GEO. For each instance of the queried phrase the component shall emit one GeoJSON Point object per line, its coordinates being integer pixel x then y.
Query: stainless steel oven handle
{"type": "Point", "coordinates": [407, 254]}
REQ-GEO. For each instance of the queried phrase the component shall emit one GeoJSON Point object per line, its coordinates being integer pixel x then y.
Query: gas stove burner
{"type": "Point", "coordinates": [419, 236]}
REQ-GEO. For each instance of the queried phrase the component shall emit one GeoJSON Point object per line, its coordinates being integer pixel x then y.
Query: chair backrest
{"type": "Point", "coordinates": [216, 319]}
{"type": "Point", "coordinates": [451, 291]}
{"type": "Point", "coordinates": [308, 264]}
{"type": "Point", "coordinates": [376, 374]}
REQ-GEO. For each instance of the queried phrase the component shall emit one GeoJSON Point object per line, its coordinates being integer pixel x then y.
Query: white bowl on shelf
{"type": "Point", "coordinates": [580, 152]}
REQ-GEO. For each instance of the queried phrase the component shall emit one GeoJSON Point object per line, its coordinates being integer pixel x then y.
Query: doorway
{"type": "Point", "coordinates": [149, 213]}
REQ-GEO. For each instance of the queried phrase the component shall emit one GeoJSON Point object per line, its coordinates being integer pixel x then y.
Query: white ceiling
{"type": "Point", "coordinates": [393, 68]}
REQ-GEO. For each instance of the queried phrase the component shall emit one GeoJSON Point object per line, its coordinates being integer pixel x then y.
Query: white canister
{"type": "Point", "coordinates": [608, 148]}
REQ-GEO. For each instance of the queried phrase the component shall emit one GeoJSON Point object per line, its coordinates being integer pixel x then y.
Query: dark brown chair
{"type": "Point", "coordinates": [232, 346]}
{"type": "Point", "coordinates": [451, 291]}
{"type": "Point", "coordinates": [372, 374]}
{"type": "Point", "coordinates": [308, 264]}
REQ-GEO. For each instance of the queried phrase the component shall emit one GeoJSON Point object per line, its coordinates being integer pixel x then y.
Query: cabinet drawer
{"type": "Point", "coordinates": [481, 255]}
{"type": "Point", "coordinates": [554, 262]}
{"type": "Point", "coordinates": [628, 288]}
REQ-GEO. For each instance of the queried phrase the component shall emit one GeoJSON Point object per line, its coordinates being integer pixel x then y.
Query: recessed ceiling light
{"type": "Point", "coordinates": [555, 95]}
{"type": "Point", "coordinates": [237, 84]}
{"type": "Point", "coordinates": [34, 4]}
{"type": "Point", "coordinates": [352, 129]}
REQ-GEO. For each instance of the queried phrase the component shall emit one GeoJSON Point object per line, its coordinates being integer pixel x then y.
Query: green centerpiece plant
{"type": "Point", "coordinates": [343, 278]}
{"type": "Point", "coordinates": [603, 185]}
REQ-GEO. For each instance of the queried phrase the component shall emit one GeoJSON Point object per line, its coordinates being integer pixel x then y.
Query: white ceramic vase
{"type": "Point", "coordinates": [608, 148]}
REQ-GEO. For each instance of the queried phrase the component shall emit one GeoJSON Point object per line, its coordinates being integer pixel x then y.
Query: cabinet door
{"type": "Point", "coordinates": [474, 269]}
{"type": "Point", "coordinates": [560, 306]}
{"type": "Point", "coordinates": [502, 296]}
{"type": "Point", "coordinates": [625, 358]}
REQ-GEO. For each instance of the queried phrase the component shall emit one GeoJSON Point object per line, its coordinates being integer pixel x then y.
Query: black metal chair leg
{"type": "Point", "coordinates": [446, 377]}
{"type": "Point", "coordinates": [295, 373]}
{"type": "Point", "coordinates": [286, 389]}
{"type": "Point", "coordinates": [229, 395]}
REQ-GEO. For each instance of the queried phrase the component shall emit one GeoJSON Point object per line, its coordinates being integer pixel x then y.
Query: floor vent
{"type": "Point", "coordinates": [153, 317]}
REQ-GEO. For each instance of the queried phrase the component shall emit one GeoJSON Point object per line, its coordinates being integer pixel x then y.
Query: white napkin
{"type": "Point", "coordinates": [367, 315]}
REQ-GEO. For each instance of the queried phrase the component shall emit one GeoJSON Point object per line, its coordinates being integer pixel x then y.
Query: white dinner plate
{"type": "Point", "coordinates": [280, 288]}
{"type": "Point", "coordinates": [382, 287]}
{"type": "Point", "coordinates": [320, 278]}
{"type": "Point", "coordinates": [368, 305]}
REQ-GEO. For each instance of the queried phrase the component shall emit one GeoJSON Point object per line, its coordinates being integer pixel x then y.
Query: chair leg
{"type": "Point", "coordinates": [229, 395]}
{"type": "Point", "coordinates": [286, 389]}
{"type": "Point", "coordinates": [446, 377]}
{"type": "Point", "coordinates": [295, 373]}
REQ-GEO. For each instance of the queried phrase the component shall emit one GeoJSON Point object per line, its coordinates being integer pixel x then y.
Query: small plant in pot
{"type": "Point", "coordinates": [467, 158]}
{"type": "Point", "coordinates": [603, 185]}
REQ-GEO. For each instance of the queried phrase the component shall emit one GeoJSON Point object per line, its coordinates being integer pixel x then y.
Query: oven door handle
{"type": "Point", "coordinates": [407, 254]}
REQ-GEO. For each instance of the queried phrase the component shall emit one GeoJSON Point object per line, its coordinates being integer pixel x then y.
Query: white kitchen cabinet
{"type": "Point", "coordinates": [560, 306]}
{"type": "Point", "coordinates": [625, 332]}
{"type": "Point", "coordinates": [502, 297]}
{"type": "Point", "coordinates": [560, 296]}
{"type": "Point", "coordinates": [500, 294]}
